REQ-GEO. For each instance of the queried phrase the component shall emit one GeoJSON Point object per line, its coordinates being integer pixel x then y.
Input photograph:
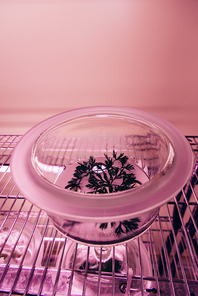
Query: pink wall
{"type": "Point", "coordinates": [60, 55]}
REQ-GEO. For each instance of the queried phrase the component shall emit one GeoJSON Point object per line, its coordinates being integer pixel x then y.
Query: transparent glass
{"type": "Point", "coordinates": [13, 243]}
{"type": "Point", "coordinates": [120, 260]}
{"type": "Point", "coordinates": [60, 149]}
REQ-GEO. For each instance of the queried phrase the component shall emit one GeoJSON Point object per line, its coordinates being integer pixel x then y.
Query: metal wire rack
{"type": "Point", "coordinates": [33, 252]}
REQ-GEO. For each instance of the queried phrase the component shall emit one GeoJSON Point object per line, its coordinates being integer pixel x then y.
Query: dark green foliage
{"type": "Point", "coordinates": [103, 225]}
{"type": "Point", "coordinates": [102, 179]}
{"type": "Point", "coordinates": [127, 226]}
{"type": "Point", "coordinates": [114, 175]}
{"type": "Point", "coordinates": [124, 226]}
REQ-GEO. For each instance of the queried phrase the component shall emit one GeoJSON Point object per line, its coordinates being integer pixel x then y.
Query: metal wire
{"type": "Point", "coordinates": [171, 242]}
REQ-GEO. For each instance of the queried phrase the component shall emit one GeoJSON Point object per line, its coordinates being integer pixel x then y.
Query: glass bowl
{"type": "Point", "coordinates": [13, 243]}
{"type": "Point", "coordinates": [125, 257]}
{"type": "Point", "coordinates": [102, 173]}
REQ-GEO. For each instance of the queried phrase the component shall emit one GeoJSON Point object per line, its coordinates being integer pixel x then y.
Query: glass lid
{"type": "Point", "coordinates": [101, 163]}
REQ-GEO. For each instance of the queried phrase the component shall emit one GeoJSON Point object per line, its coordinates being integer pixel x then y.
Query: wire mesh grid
{"type": "Point", "coordinates": [34, 255]}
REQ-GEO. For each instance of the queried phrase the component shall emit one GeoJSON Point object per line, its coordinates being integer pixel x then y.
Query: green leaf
{"type": "Point", "coordinates": [108, 163]}
{"type": "Point", "coordinates": [129, 167]}
{"type": "Point", "coordinates": [123, 160]}
{"type": "Point", "coordinates": [120, 156]}
{"type": "Point", "coordinates": [104, 182]}
{"type": "Point", "coordinates": [114, 154]}
{"type": "Point", "coordinates": [103, 225]}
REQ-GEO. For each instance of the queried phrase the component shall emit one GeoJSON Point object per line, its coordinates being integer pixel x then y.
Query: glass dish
{"type": "Point", "coordinates": [49, 155]}
{"type": "Point", "coordinates": [126, 257]}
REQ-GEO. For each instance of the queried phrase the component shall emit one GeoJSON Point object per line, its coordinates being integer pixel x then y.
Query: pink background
{"type": "Point", "coordinates": [59, 55]}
